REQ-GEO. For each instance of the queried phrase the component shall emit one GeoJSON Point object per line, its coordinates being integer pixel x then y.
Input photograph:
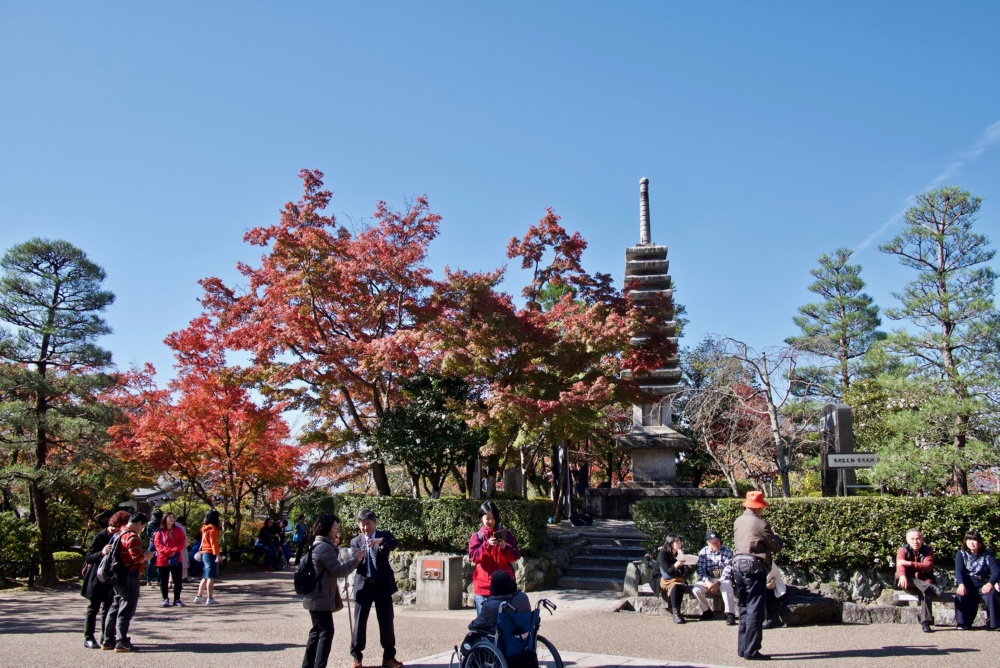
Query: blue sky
{"type": "Point", "coordinates": [153, 135]}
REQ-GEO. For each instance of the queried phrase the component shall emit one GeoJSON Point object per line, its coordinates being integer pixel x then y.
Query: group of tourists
{"type": "Point", "coordinates": [114, 602]}
{"type": "Point", "coordinates": [747, 575]}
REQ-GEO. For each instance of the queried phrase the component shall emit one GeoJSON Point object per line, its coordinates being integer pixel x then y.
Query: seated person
{"type": "Point", "coordinates": [670, 580]}
{"type": "Point", "coordinates": [915, 574]}
{"type": "Point", "coordinates": [977, 574]}
{"type": "Point", "coordinates": [712, 561]}
{"type": "Point", "coordinates": [503, 589]}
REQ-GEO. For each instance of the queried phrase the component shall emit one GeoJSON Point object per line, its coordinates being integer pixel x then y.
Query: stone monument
{"type": "Point", "coordinates": [652, 442]}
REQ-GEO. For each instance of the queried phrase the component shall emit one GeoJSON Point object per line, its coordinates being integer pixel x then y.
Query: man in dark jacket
{"type": "Point", "coordinates": [915, 574]}
{"type": "Point", "coordinates": [99, 594]}
{"type": "Point", "coordinates": [754, 542]}
{"type": "Point", "coordinates": [374, 583]}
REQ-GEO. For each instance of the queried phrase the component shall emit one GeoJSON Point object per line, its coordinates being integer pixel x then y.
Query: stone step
{"type": "Point", "coordinates": [606, 572]}
{"type": "Point", "coordinates": [620, 541]}
{"type": "Point", "coordinates": [627, 553]}
{"type": "Point", "coordinates": [601, 561]}
{"type": "Point", "coordinates": [594, 584]}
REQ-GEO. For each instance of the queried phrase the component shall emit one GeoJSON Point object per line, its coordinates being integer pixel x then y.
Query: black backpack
{"type": "Point", "coordinates": [109, 566]}
{"type": "Point", "coordinates": [306, 578]}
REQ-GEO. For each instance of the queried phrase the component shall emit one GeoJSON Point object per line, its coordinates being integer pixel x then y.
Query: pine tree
{"type": "Point", "coordinates": [52, 369]}
{"type": "Point", "coordinates": [844, 325]}
{"type": "Point", "coordinates": [950, 303]}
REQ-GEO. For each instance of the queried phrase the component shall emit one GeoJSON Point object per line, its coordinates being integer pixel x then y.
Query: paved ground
{"type": "Point", "coordinates": [261, 623]}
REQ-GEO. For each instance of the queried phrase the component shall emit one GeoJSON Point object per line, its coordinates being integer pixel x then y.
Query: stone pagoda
{"type": "Point", "coordinates": [652, 442]}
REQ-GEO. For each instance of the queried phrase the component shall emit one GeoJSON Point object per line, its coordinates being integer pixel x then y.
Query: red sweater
{"type": "Point", "coordinates": [130, 552]}
{"type": "Point", "coordinates": [168, 544]}
{"type": "Point", "coordinates": [489, 558]}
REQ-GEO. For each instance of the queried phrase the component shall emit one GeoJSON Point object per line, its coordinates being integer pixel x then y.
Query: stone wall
{"type": "Point", "coordinates": [531, 573]}
{"type": "Point", "coordinates": [851, 597]}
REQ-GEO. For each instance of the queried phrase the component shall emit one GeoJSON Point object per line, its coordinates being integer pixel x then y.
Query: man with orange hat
{"type": "Point", "coordinates": [754, 541]}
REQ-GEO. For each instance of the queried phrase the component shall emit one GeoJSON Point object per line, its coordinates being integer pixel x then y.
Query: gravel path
{"type": "Point", "coordinates": [262, 623]}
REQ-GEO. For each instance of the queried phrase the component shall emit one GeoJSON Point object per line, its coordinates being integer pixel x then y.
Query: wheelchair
{"type": "Point", "coordinates": [514, 643]}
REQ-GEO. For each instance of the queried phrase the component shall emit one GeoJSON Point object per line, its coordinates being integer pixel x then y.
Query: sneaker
{"type": "Point", "coordinates": [730, 619]}
{"type": "Point", "coordinates": [166, 603]}
{"type": "Point", "coordinates": [91, 643]}
{"type": "Point", "coordinates": [125, 646]}
{"type": "Point", "coordinates": [925, 627]}
{"type": "Point", "coordinates": [392, 663]}
{"type": "Point", "coordinates": [108, 644]}
{"type": "Point", "coordinates": [178, 603]}
{"type": "Point", "coordinates": [770, 624]}
{"type": "Point", "coordinates": [707, 615]}
{"type": "Point", "coordinates": [198, 600]}
{"type": "Point", "coordinates": [211, 601]}
{"type": "Point", "coordinates": [356, 663]}
{"type": "Point", "coordinates": [678, 619]}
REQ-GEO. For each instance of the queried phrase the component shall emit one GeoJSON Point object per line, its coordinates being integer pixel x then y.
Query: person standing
{"type": "Point", "coordinates": [712, 562]}
{"type": "Point", "coordinates": [753, 545]}
{"type": "Point", "coordinates": [374, 584]}
{"type": "Point", "coordinates": [130, 560]}
{"type": "Point", "coordinates": [915, 574]}
{"type": "Point", "coordinates": [210, 551]}
{"type": "Point", "coordinates": [185, 555]}
{"type": "Point", "coordinates": [491, 548]}
{"type": "Point", "coordinates": [299, 537]}
{"type": "Point", "coordinates": [977, 574]}
{"type": "Point", "coordinates": [325, 599]}
{"type": "Point", "coordinates": [169, 543]}
{"type": "Point", "coordinates": [98, 593]}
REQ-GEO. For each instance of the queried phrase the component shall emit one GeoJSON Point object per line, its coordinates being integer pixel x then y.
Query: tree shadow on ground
{"type": "Point", "coordinates": [214, 648]}
{"type": "Point", "coordinates": [876, 653]}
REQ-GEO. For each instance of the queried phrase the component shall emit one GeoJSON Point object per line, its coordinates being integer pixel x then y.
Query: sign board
{"type": "Point", "coordinates": [854, 460]}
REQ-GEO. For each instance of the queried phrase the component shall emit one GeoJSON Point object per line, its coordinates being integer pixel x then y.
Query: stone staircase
{"type": "Point", "coordinates": [609, 547]}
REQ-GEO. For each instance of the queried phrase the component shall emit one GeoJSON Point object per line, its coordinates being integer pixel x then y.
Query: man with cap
{"type": "Point", "coordinates": [712, 561]}
{"type": "Point", "coordinates": [753, 544]}
{"type": "Point", "coordinates": [374, 583]}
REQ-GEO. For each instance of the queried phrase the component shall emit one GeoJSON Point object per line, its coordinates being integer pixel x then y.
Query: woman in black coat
{"type": "Point", "coordinates": [672, 571]}
{"type": "Point", "coordinates": [98, 593]}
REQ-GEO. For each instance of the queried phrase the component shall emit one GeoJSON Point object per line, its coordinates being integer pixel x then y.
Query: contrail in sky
{"type": "Point", "coordinates": [989, 137]}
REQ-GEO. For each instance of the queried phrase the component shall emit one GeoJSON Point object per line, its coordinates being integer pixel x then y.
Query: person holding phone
{"type": "Point", "coordinates": [492, 548]}
{"type": "Point", "coordinates": [374, 584]}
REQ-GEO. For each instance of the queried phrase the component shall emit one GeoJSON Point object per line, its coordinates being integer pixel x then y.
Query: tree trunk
{"type": "Point", "coordinates": [463, 489]}
{"type": "Point", "coordinates": [779, 442]}
{"type": "Point", "coordinates": [381, 479]}
{"type": "Point", "coordinates": [39, 501]}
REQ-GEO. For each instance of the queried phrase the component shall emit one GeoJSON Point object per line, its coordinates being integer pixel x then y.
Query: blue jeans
{"type": "Point", "coordinates": [211, 568]}
{"type": "Point", "coordinates": [479, 600]}
{"type": "Point", "coordinates": [268, 553]}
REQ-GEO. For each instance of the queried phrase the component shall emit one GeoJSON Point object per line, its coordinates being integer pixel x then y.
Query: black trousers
{"type": "Point", "coordinates": [372, 594]}
{"type": "Point", "coordinates": [298, 553]}
{"type": "Point", "coordinates": [966, 607]}
{"type": "Point", "coordinates": [751, 593]}
{"type": "Point", "coordinates": [320, 639]}
{"type": "Point", "coordinates": [921, 589]}
{"type": "Point", "coordinates": [97, 607]}
{"type": "Point", "coordinates": [173, 573]}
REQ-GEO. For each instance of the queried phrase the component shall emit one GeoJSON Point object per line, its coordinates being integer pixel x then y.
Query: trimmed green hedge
{"type": "Point", "coordinates": [68, 564]}
{"type": "Point", "coordinates": [444, 524]}
{"type": "Point", "coordinates": [822, 534]}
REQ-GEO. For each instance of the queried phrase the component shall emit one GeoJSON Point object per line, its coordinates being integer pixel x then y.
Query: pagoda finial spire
{"type": "Point", "coordinates": [644, 211]}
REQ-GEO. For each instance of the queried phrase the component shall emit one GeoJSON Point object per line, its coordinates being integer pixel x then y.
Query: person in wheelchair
{"type": "Point", "coordinates": [505, 632]}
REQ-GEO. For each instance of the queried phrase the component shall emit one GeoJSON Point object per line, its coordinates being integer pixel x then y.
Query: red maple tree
{"type": "Point", "coordinates": [204, 429]}
{"type": "Point", "coordinates": [334, 319]}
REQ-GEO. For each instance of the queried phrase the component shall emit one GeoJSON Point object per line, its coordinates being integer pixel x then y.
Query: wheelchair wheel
{"type": "Point", "coordinates": [548, 655]}
{"type": "Point", "coordinates": [485, 654]}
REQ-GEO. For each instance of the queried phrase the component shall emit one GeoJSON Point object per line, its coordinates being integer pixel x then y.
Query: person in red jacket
{"type": "Point", "coordinates": [492, 548]}
{"type": "Point", "coordinates": [170, 543]}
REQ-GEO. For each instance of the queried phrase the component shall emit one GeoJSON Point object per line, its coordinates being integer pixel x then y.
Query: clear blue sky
{"type": "Point", "coordinates": [152, 135]}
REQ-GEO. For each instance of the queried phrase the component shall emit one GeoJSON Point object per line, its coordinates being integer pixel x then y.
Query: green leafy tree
{"type": "Point", "coordinates": [52, 373]}
{"type": "Point", "coordinates": [426, 434]}
{"type": "Point", "coordinates": [951, 307]}
{"type": "Point", "coordinates": [842, 326]}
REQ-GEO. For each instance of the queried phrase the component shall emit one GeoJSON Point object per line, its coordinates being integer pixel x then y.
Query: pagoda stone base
{"type": "Point", "coordinates": [616, 503]}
